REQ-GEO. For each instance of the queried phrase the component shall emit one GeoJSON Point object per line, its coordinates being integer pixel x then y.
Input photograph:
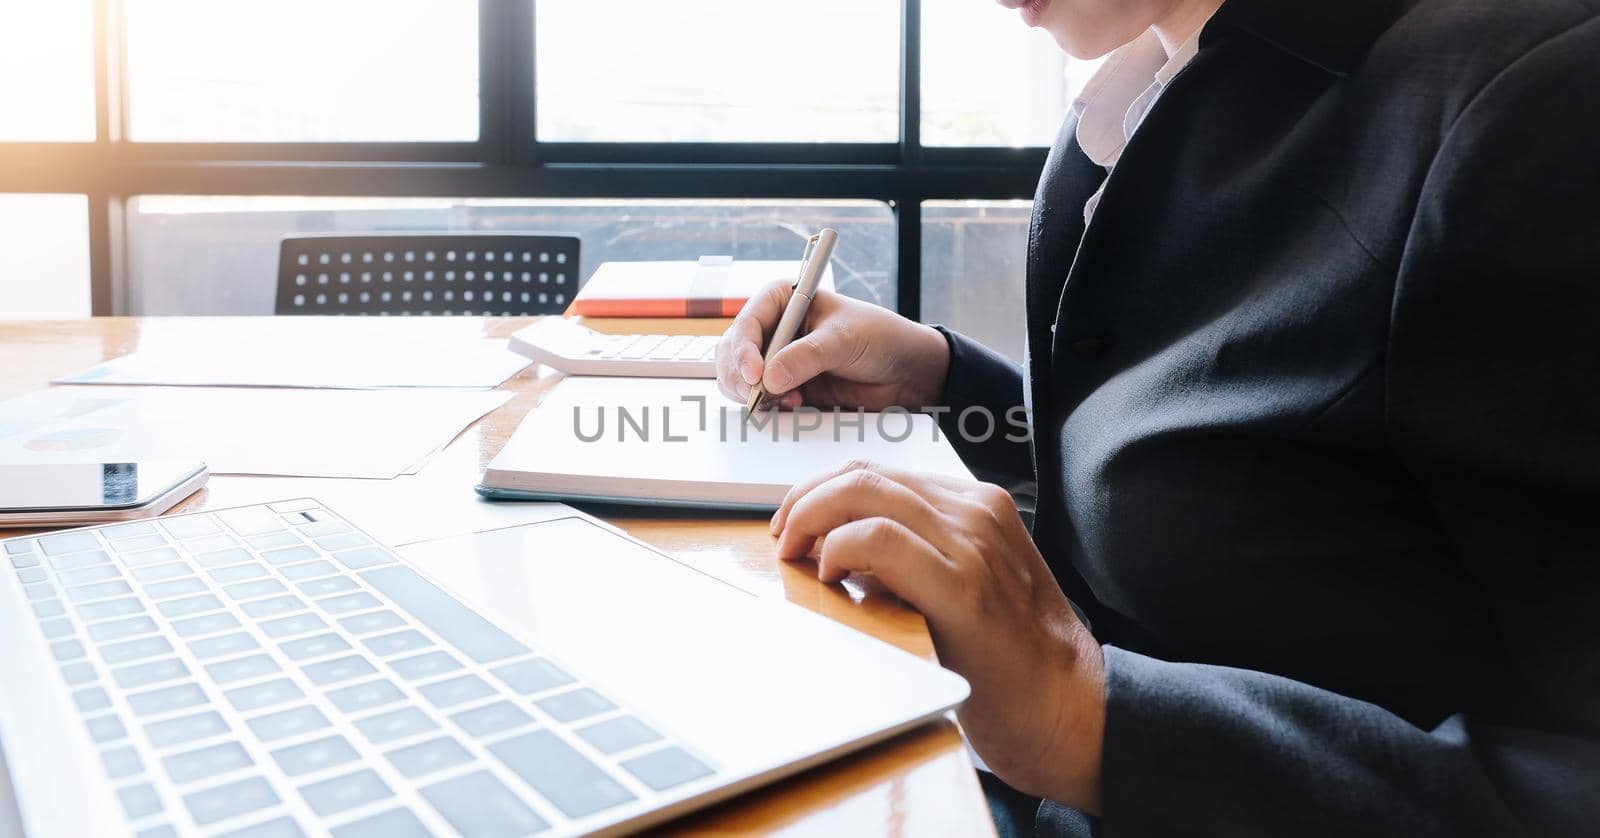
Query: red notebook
{"type": "Point", "coordinates": [715, 286]}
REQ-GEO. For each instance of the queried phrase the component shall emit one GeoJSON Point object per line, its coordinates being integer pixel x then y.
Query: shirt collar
{"type": "Point", "coordinates": [1115, 99]}
{"type": "Point", "coordinates": [1331, 34]}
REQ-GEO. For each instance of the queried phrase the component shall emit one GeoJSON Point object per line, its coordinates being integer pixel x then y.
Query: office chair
{"type": "Point", "coordinates": [427, 274]}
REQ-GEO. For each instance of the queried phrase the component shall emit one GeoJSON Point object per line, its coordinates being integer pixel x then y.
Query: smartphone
{"type": "Point", "coordinates": [38, 495]}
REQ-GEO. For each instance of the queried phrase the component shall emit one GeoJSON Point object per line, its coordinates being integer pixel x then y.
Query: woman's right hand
{"type": "Point", "coordinates": [851, 354]}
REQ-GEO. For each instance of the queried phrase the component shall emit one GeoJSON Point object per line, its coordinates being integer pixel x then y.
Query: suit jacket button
{"type": "Point", "coordinates": [1089, 347]}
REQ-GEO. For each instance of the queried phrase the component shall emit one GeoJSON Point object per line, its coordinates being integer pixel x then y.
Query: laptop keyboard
{"type": "Point", "coordinates": [270, 670]}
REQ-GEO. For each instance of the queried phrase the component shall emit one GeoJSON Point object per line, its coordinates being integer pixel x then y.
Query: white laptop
{"type": "Point", "coordinates": [270, 670]}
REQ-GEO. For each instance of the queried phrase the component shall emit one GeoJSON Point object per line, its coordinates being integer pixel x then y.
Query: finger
{"type": "Point", "coordinates": [809, 356]}
{"type": "Point", "coordinates": [739, 351]}
{"type": "Point", "coordinates": [854, 496]}
{"type": "Point", "coordinates": [934, 487]}
{"type": "Point", "coordinates": [903, 561]}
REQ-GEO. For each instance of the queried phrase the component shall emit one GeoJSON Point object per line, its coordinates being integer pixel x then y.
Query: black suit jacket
{"type": "Point", "coordinates": [1316, 413]}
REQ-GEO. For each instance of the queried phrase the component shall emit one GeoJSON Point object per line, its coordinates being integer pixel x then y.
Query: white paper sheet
{"type": "Point", "coordinates": [312, 352]}
{"type": "Point", "coordinates": [313, 433]}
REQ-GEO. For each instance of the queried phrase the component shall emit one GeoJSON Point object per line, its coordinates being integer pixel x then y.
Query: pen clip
{"type": "Point", "coordinates": [805, 258]}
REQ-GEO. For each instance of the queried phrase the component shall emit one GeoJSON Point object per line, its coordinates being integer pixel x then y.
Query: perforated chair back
{"type": "Point", "coordinates": [427, 274]}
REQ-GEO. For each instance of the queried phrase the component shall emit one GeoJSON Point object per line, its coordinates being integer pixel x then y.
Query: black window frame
{"type": "Point", "coordinates": [509, 161]}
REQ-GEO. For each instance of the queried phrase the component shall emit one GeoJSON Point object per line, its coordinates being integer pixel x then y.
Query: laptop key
{"type": "Point", "coordinates": [209, 544]}
{"type": "Point", "coordinates": [532, 676]}
{"type": "Point", "coordinates": [456, 690]}
{"type": "Point", "coordinates": [286, 723]}
{"type": "Point", "coordinates": [284, 827]}
{"type": "Point", "coordinates": [314, 755]}
{"type": "Point", "coordinates": [314, 647]}
{"type": "Point", "coordinates": [24, 560]}
{"type": "Point", "coordinates": [185, 729]}
{"type": "Point", "coordinates": [175, 587]}
{"type": "Point", "coordinates": [292, 625]}
{"type": "Point", "coordinates": [274, 540]}
{"type": "Point", "coordinates": [207, 624]}
{"type": "Point", "coordinates": [307, 570]}
{"type": "Point", "coordinates": [618, 734]}
{"type": "Point", "coordinates": [230, 800]}
{"type": "Point", "coordinates": [237, 573]}
{"type": "Point", "coordinates": [103, 729]}
{"type": "Point", "coordinates": [343, 541]}
{"type": "Point", "coordinates": [139, 801]}
{"type": "Point", "coordinates": [273, 607]}
{"type": "Point", "coordinates": [57, 628]}
{"type": "Point", "coordinates": [127, 651]}
{"type": "Point", "coordinates": [167, 699]}
{"type": "Point", "coordinates": [143, 674]}
{"type": "Point", "coordinates": [90, 699]}
{"type": "Point", "coordinates": [492, 718]}
{"type": "Point", "coordinates": [67, 650]}
{"type": "Point", "coordinates": [556, 770]}
{"type": "Point", "coordinates": [262, 695]}
{"type": "Point", "coordinates": [290, 555]}
{"type": "Point", "coordinates": [206, 762]}
{"type": "Point", "coordinates": [68, 542]}
{"type": "Point", "coordinates": [348, 602]}
{"type": "Point", "coordinates": [389, 645]}
{"type": "Point", "coordinates": [254, 590]}
{"type": "Point", "coordinates": [161, 572]}
{"type": "Point", "coordinates": [129, 530]}
{"type": "Point", "coordinates": [121, 762]}
{"type": "Point", "coordinates": [106, 609]}
{"type": "Point", "coordinates": [327, 586]}
{"type": "Point", "coordinates": [222, 558]}
{"type": "Point", "coordinates": [19, 547]}
{"type": "Point", "coordinates": [190, 526]}
{"type": "Point", "coordinates": [365, 696]}
{"type": "Point", "coordinates": [222, 644]}
{"type": "Point", "coordinates": [30, 575]}
{"type": "Point", "coordinates": [139, 543]}
{"type": "Point", "coordinates": [395, 823]}
{"type": "Point", "coordinates": [113, 630]}
{"type": "Point", "coordinates": [99, 590]}
{"type": "Point", "coordinates": [364, 558]}
{"type": "Point", "coordinates": [79, 560]}
{"type": "Point", "coordinates": [667, 768]}
{"type": "Point", "coordinates": [339, 669]}
{"type": "Point", "coordinates": [241, 669]}
{"type": "Point", "coordinates": [47, 608]}
{"type": "Point", "coordinates": [78, 672]}
{"type": "Point", "coordinates": [160, 555]}
{"type": "Point", "coordinates": [422, 667]}
{"type": "Point", "coordinates": [427, 757]}
{"type": "Point", "coordinates": [372, 622]}
{"type": "Point", "coordinates": [395, 724]}
{"type": "Point", "coordinates": [347, 792]}
{"type": "Point", "coordinates": [478, 804]}
{"type": "Point", "coordinates": [38, 591]}
{"type": "Point", "coordinates": [189, 605]}
{"type": "Point", "coordinates": [85, 576]}
{"type": "Point", "coordinates": [459, 625]}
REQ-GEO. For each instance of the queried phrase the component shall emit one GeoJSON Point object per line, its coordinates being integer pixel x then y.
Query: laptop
{"type": "Point", "coordinates": [271, 670]}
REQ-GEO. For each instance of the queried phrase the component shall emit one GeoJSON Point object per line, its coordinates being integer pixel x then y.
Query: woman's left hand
{"type": "Point", "coordinates": [957, 550]}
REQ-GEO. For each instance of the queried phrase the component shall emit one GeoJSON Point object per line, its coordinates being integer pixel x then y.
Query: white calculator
{"type": "Point", "coordinates": [573, 349]}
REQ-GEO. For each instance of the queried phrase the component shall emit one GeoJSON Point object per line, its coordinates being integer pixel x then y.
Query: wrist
{"type": "Point", "coordinates": [1080, 733]}
{"type": "Point", "coordinates": [930, 368]}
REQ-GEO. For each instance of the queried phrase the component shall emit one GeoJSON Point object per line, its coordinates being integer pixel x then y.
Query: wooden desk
{"type": "Point", "coordinates": [920, 783]}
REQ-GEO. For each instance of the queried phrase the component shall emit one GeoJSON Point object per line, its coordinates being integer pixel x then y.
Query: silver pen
{"type": "Point", "coordinates": [819, 249]}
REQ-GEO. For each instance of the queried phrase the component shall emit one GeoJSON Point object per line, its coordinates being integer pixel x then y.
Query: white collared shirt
{"type": "Point", "coordinates": [1116, 99]}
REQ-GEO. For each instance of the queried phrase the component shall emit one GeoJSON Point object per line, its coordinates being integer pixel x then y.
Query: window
{"type": "Point", "coordinates": [179, 245]}
{"type": "Point", "coordinates": [718, 70]}
{"type": "Point", "coordinates": [988, 80]}
{"type": "Point", "coordinates": [302, 70]}
{"type": "Point", "coordinates": [47, 71]}
{"type": "Point", "coordinates": [974, 263]}
{"type": "Point", "coordinates": [44, 256]}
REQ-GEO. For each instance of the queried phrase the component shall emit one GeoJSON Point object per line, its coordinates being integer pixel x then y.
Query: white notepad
{"type": "Point", "coordinates": [679, 442]}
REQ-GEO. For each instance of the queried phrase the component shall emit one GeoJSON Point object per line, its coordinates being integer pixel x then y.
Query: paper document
{"type": "Point", "coordinates": [313, 352]}
{"type": "Point", "coordinates": [313, 433]}
{"type": "Point", "coordinates": [680, 441]}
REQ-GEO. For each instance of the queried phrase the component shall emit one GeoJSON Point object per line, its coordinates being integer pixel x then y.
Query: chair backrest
{"type": "Point", "coordinates": [432, 274]}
